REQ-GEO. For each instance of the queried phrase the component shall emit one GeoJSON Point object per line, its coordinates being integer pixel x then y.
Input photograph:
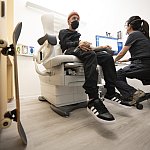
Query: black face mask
{"type": "Point", "coordinates": [75, 24]}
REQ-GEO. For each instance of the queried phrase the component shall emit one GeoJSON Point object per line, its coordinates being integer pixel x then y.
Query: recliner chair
{"type": "Point", "coordinates": [63, 75]}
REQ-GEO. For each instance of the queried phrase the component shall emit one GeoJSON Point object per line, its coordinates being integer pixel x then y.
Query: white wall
{"type": "Point", "coordinates": [99, 15]}
{"type": "Point", "coordinates": [28, 79]}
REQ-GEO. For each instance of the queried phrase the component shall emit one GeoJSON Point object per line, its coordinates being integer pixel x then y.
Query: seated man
{"type": "Point", "coordinates": [71, 45]}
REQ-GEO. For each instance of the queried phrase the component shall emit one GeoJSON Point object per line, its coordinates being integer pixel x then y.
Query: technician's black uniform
{"type": "Point", "coordinates": [140, 61]}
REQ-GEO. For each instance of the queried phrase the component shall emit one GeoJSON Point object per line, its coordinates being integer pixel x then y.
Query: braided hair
{"type": "Point", "coordinates": [139, 24]}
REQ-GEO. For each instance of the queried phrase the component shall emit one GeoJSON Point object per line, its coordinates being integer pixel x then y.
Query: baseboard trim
{"type": "Point", "coordinates": [29, 97]}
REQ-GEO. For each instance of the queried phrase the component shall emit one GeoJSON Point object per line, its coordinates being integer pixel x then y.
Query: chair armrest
{"type": "Point", "coordinates": [59, 59]}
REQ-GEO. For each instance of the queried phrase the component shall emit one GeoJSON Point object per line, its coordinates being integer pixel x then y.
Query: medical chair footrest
{"type": "Point", "coordinates": [64, 111]}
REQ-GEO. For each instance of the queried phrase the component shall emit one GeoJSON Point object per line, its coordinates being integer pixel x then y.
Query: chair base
{"type": "Point", "coordinates": [64, 111]}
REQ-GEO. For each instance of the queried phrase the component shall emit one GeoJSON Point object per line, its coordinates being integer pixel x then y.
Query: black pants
{"type": "Point", "coordinates": [90, 61]}
{"type": "Point", "coordinates": [135, 70]}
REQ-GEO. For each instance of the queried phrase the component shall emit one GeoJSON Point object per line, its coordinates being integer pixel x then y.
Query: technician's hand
{"type": "Point", "coordinates": [124, 60]}
{"type": "Point", "coordinates": [85, 46]}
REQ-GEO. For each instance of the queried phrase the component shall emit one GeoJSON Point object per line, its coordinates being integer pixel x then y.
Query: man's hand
{"type": "Point", "coordinates": [85, 46]}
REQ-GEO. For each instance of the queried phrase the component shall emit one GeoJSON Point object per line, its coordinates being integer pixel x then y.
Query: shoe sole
{"type": "Point", "coordinates": [115, 103]}
{"type": "Point", "coordinates": [99, 119]}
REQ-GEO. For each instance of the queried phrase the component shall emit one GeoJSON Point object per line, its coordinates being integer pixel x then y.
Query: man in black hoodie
{"type": "Point", "coordinates": [71, 45]}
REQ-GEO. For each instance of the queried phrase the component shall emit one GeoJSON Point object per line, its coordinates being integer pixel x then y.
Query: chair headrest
{"type": "Point", "coordinates": [50, 38]}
